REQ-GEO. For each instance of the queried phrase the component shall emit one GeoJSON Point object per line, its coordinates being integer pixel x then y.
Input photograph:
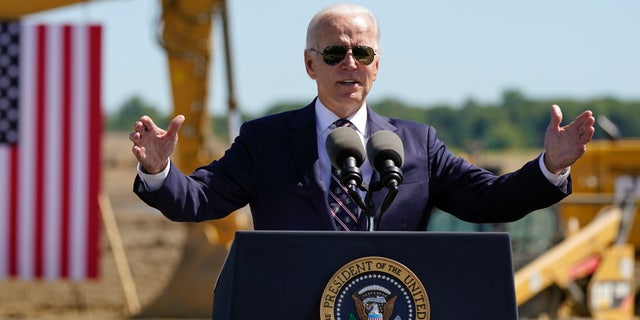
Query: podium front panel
{"type": "Point", "coordinates": [282, 274]}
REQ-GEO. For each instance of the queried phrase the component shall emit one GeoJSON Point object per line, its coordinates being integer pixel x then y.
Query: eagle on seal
{"type": "Point", "coordinates": [363, 309]}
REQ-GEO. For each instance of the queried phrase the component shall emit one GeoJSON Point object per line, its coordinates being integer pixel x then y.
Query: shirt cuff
{"type": "Point", "coordinates": [153, 182]}
{"type": "Point", "coordinates": [555, 179]}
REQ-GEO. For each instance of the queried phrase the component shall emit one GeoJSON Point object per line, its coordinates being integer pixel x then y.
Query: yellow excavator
{"type": "Point", "coordinates": [592, 272]}
{"type": "Point", "coordinates": [186, 36]}
{"type": "Point", "coordinates": [578, 258]}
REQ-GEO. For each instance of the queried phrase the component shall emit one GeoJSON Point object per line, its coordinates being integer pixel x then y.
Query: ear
{"type": "Point", "coordinates": [376, 65]}
{"type": "Point", "coordinates": [308, 63]}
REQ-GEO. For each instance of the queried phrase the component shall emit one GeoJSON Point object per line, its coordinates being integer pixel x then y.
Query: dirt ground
{"type": "Point", "coordinates": [152, 244]}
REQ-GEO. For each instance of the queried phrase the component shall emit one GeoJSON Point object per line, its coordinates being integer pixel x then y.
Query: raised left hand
{"type": "Point", "coordinates": [563, 146]}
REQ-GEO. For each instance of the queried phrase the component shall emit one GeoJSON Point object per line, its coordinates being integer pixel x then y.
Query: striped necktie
{"type": "Point", "coordinates": [343, 209]}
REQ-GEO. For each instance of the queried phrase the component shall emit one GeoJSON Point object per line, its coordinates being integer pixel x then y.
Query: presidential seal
{"type": "Point", "coordinates": [374, 288]}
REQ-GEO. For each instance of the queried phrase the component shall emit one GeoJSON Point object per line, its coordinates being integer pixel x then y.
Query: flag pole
{"type": "Point", "coordinates": [119, 254]}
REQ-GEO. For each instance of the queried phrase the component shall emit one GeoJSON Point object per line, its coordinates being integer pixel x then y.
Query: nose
{"type": "Point", "coordinates": [350, 60]}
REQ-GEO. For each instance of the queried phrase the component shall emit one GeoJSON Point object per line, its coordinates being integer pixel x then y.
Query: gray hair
{"type": "Point", "coordinates": [340, 9]}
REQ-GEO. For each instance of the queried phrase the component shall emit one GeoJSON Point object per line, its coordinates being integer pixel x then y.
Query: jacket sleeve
{"type": "Point", "coordinates": [210, 192]}
{"type": "Point", "coordinates": [476, 195]}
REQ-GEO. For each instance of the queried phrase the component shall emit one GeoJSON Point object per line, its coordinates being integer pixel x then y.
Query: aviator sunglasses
{"type": "Point", "coordinates": [334, 54]}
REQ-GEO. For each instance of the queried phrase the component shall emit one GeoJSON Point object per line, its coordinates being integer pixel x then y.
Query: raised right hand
{"type": "Point", "coordinates": [153, 146]}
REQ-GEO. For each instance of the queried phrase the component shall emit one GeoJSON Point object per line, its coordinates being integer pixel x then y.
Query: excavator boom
{"type": "Point", "coordinates": [12, 10]}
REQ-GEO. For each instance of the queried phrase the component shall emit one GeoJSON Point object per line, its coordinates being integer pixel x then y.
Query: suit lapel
{"type": "Point", "coordinates": [303, 141]}
{"type": "Point", "coordinates": [377, 122]}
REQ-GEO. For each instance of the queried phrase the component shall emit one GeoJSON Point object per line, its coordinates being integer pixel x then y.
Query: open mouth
{"type": "Point", "coordinates": [348, 82]}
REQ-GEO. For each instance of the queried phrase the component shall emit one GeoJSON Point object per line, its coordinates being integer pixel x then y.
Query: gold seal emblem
{"type": "Point", "coordinates": [374, 288]}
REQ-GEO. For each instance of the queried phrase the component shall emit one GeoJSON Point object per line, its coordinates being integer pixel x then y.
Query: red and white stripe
{"type": "Point", "coordinates": [49, 181]}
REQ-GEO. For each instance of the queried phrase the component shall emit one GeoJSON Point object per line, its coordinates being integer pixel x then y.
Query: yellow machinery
{"type": "Point", "coordinates": [592, 272]}
{"type": "Point", "coordinates": [16, 9]}
{"type": "Point", "coordinates": [185, 35]}
{"type": "Point", "coordinates": [578, 258]}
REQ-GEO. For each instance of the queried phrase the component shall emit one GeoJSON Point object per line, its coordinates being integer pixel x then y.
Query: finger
{"type": "Point", "coordinates": [585, 118]}
{"type": "Point", "coordinates": [138, 152]}
{"type": "Point", "coordinates": [587, 124]}
{"type": "Point", "coordinates": [175, 125]}
{"type": "Point", "coordinates": [587, 135]}
{"type": "Point", "coordinates": [556, 117]}
{"type": "Point", "coordinates": [139, 126]}
{"type": "Point", "coordinates": [148, 123]}
{"type": "Point", "coordinates": [585, 121]}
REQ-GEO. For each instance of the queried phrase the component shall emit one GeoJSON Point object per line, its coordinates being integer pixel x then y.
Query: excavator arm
{"type": "Point", "coordinates": [11, 10]}
{"type": "Point", "coordinates": [555, 265]}
{"type": "Point", "coordinates": [185, 35]}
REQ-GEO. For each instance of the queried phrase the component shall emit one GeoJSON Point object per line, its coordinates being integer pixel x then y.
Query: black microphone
{"type": "Point", "coordinates": [386, 155]}
{"type": "Point", "coordinates": [346, 153]}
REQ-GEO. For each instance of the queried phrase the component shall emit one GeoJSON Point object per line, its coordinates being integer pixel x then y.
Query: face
{"type": "Point", "coordinates": [343, 87]}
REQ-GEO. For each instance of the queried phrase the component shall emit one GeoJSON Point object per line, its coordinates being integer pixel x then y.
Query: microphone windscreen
{"type": "Point", "coordinates": [344, 142]}
{"type": "Point", "coordinates": [385, 145]}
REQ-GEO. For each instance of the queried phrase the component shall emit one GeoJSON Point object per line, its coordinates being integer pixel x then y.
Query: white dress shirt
{"type": "Point", "coordinates": [324, 126]}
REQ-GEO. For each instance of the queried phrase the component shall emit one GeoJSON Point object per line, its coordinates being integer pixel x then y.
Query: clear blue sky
{"type": "Point", "coordinates": [433, 51]}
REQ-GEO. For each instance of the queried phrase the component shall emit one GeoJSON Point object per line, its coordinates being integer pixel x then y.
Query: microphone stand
{"type": "Point", "coordinates": [386, 203]}
{"type": "Point", "coordinates": [392, 177]}
{"type": "Point", "coordinates": [371, 226]}
{"type": "Point", "coordinates": [366, 206]}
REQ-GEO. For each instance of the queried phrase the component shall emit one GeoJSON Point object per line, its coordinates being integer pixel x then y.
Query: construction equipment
{"type": "Point", "coordinates": [578, 258]}
{"type": "Point", "coordinates": [186, 37]}
{"type": "Point", "coordinates": [14, 9]}
{"type": "Point", "coordinates": [592, 273]}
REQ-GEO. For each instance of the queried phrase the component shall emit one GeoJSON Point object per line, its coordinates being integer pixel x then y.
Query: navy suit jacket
{"type": "Point", "coordinates": [273, 166]}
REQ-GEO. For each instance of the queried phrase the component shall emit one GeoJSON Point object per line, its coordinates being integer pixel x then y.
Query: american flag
{"type": "Point", "coordinates": [50, 145]}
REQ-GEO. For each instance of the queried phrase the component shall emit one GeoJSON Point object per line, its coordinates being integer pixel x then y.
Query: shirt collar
{"type": "Point", "coordinates": [324, 118]}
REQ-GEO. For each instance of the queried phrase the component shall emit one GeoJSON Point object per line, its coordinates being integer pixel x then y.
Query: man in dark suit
{"type": "Point", "coordinates": [279, 166]}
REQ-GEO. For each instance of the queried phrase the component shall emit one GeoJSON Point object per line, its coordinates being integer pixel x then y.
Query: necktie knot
{"type": "Point", "coordinates": [342, 123]}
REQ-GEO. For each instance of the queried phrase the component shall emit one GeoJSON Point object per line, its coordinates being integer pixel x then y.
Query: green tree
{"type": "Point", "coordinates": [504, 135]}
{"type": "Point", "coordinates": [517, 121]}
{"type": "Point", "coordinates": [284, 106]}
{"type": "Point", "coordinates": [124, 118]}
{"type": "Point", "coordinates": [446, 121]}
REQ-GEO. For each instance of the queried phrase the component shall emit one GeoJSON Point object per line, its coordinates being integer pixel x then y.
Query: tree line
{"type": "Point", "coordinates": [516, 122]}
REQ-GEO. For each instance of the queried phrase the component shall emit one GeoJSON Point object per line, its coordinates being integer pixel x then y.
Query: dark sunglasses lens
{"type": "Point", "coordinates": [363, 54]}
{"type": "Point", "coordinates": [334, 54]}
